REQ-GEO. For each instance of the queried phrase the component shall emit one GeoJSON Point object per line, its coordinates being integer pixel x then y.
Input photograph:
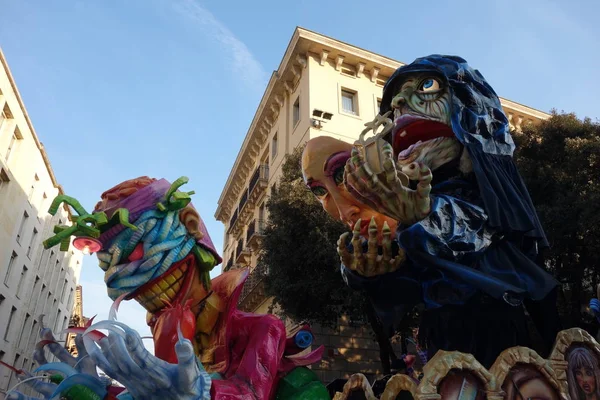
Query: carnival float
{"type": "Point", "coordinates": [438, 216]}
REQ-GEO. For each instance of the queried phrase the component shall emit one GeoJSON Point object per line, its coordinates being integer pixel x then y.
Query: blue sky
{"type": "Point", "coordinates": [120, 89]}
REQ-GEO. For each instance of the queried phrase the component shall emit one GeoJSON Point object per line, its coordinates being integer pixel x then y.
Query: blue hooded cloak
{"type": "Point", "coordinates": [483, 234]}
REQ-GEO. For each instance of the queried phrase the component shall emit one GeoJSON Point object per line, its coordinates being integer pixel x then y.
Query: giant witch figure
{"type": "Point", "coordinates": [443, 169]}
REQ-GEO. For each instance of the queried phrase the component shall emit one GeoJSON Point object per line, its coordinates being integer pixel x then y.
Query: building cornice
{"type": "Point", "coordinates": [523, 109]}
{"type": "Point", "coordinates": [36, 139]}
{"type": "Point", "coordinates": [324, 49]}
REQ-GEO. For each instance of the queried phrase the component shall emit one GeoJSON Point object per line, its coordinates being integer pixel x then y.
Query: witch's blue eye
{"type": "Point", "coordinates": [429, 85]}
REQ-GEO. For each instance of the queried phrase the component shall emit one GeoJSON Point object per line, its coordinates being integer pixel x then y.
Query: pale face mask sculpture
{"type": "Point", "coordinates": [323, 163]}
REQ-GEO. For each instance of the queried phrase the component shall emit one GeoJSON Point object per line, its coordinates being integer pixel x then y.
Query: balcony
{"type": "Point", "coordinates": [255, 233]}
{"type": "Point", "coordinates": [243, 201]}
{"type": "Point", "coordinates": [242, 254]}
{"type": "Point", "coordinates": [229, 264]}
{"type": "Point", "coordinates": [253, 292]}
{"type": "Point", "coordinates": [232, 222]}
{"type": "Point", "coordinates": [258, 182]}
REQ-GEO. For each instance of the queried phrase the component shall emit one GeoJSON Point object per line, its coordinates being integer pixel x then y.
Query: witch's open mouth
{"type": "Point", "coordinates": [410, 129]}
{"type": "Point", "coordinates": [167, 289]}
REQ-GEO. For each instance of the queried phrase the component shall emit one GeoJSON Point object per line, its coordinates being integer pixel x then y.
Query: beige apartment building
{"type": "Point", "coordinates": [34, 281]}
{"type": "Point", "coordinates": [77, 320]}
{"type": "Point", "coordinates": [322, 87]}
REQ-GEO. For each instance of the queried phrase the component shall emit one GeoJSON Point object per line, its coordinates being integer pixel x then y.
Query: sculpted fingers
{"type": "Point", "coordinates": [153, 366]}
{"type": "Point", "coordinates": [345, 256]}
{"type": "Point", "coordinates": [357, 248]}
{"type": "Point", "coordinates": [398, 260]}
{"type": "Point", "coordinates": [421, 173]}
{"type": "Point", "coordinates": [191, 375]}
{"type": "Point", "coordinates": [386, 245]}
{"type": "Point", "coordinates": [372, 249]}
{"type": "Point", "coordinates": [84, 364]}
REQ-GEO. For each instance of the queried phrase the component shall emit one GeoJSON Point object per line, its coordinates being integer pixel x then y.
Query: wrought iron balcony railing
{"type": "Point", "coordinates": [243, 201]}
{"type": "Point", "coordinates": [233, 220]}
{"type": "Point", "coordinates": [255, 278]}
{"type": "Point", "coordinates": [255, 231]}
{"type": "Point", "coordinates": [261, 174]}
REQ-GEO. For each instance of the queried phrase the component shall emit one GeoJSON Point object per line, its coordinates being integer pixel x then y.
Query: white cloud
{"type": "Point", "coordinates": [243, 62]}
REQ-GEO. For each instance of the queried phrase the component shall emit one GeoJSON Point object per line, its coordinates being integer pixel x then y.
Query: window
{"type": "Point", "coordinates": [36, 283]}
{"type": "Point", "coordinates": [32, 332]}
{"type": "Point", "coordinates": [2, 119]}
{"type": "Point", "coordinates": [22, 226]}
{"type": "Point", "coordinates": [13, 310]}
{"type": "Point", "coordinates": [296, 111]}
{"type": "Point", "coordinates": [70, 297]}
{"type": "Point", "coordinates": [4, 179]}
{"type": "Point", "coordinates": [13, 258]}
{"type": "Point", "coordinates": [56, 324]}
{"type": "Point", "coordinates": [274, 146]}
{"type": "Point", "coordinates": [39, 307]}
{"type": "Point", "coordinates": [42, 203]}
{"type": "Point", "coordinates": [32, 188]}
{"type": "Point", "coordinates": [55, 274]}
{"type": "Point", "coordinates": [349, 102]}
{"type": "Point", "coordinates": [13, 376]}
{"type": "Point", "coordinates": [4, 386]}
{"type": "Point", "coordinates": [48, 266]}
{"type": "Point", "coordinates": [44, 258]}
{"type": "Point", "coordinates": [21, 279]}
{"type": "Point", "coordinates": [47, 303]}
{"type": "Point", "coordinates": [24, 338]}
{"type": "Point", "coordinates": [63, 291]}
{"type": "Point", "coordinates": [5, 114]}
{"type": "Point", "coordinates": [32, 242]}
{"type": "Point", "coordinates": [11, 146]}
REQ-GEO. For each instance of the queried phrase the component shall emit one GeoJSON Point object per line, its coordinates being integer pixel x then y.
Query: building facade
{"type": "Point", "coordinates": [322, 87]}
{"type": "Point", "coordinates": [77, 320]}
{"type": "Point", "coordinates": [35, 281]}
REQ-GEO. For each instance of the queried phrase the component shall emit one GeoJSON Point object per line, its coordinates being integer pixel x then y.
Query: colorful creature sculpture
{"type": "Point", "coordinates": [154, 247]}
{"type": "Point", "coordinates": [443, 169]}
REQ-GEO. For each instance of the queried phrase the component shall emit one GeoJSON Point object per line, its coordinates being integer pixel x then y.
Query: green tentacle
{"type": "Point", "coordinates": [175, 200]}
{"type": "Point", "coordinates": [122, 217]}
{"type": "Point", "coordinates": [68, 200]}
{"type": "Point", "coordinates": [62, 232]}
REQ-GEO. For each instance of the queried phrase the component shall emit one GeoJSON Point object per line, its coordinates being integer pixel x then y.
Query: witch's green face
{"type": "Point", "coordinates": [423, 95]}
{"type": "Point", "coordinates": [422, 129]}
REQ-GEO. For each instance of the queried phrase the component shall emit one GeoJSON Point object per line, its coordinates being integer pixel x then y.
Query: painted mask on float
{"type": "Point", "coordinates": [323, 162]}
